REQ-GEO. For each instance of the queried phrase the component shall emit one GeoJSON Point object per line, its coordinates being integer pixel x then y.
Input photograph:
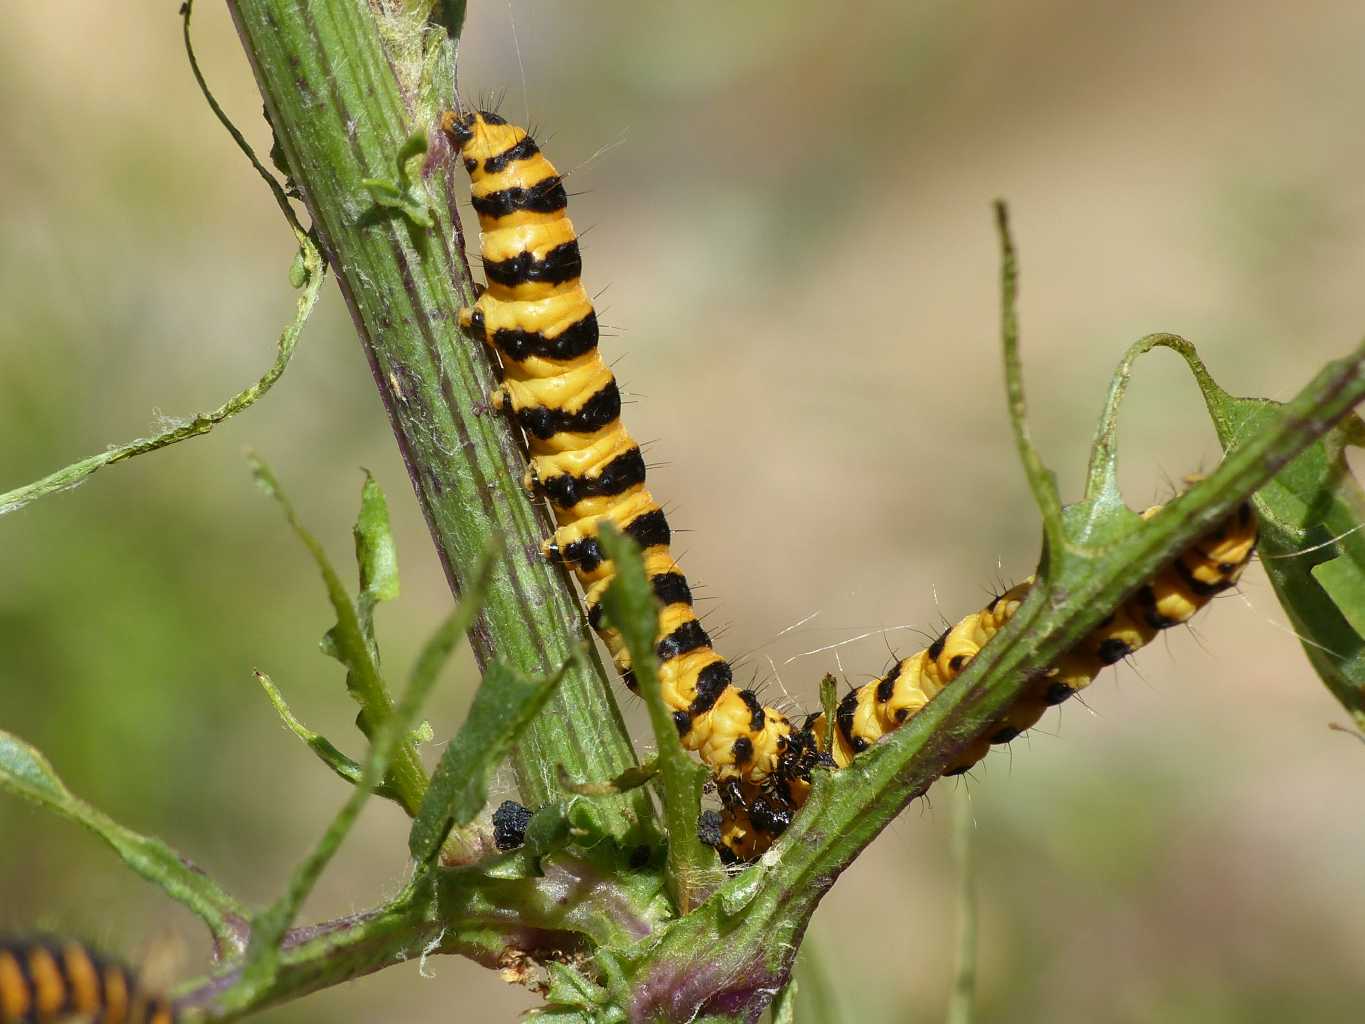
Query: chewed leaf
{"type": "Point", "coordinates": [1312, 542]}
{"type": "Point", "coordinates": [1311, 514]}
{"type": "Point", "coordinates": [347, 642]}
{"type": "Point", "coordinates": [27, 774]}
{"type": "Point", "coordinates": [326, 751]}
{"type": "Point", "coordinates": [320, 745]}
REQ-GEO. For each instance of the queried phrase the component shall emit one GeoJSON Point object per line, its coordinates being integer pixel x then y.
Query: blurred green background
{"type": "Point", "coordinates": [789, 202]}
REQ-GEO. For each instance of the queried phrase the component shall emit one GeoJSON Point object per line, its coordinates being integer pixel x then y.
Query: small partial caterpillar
{"type": "Point", "coordinates": [754, 815]}
{"type": "Point", "coordinates": [49, 980]}
{"type": "Point", "coordinates": [537, 315]}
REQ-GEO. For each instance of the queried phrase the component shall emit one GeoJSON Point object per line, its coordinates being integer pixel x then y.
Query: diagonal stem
{"type": "Point", "coordinates": [341, 116]}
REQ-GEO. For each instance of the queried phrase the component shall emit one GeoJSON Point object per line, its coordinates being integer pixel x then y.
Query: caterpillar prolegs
{"type": "Point", "coordinates": [754, 814]}
{"type": "Point", "coordinates": [49, 981]}
{"type": "Point", "coordinates": [537, 315]}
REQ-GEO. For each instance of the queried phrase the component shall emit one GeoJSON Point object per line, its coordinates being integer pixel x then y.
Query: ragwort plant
{"type": "Point", "coordinates": [611, 907]}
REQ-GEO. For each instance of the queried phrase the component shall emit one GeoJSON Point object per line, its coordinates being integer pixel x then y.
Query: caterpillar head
{"type": "Point", "coordinates": [479, 135]}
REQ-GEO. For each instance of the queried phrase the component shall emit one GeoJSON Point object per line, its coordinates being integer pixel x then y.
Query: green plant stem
{"type": "Point", "coordinates": [200, 423]}
{"type": "Point", "coordinates": [962, 1000]}
{"type": "Point", "coordinates": [343, 107]}
{"type": "Point", "coordinates": [469, 912]}
{"type": "Point", "coordinates": [1041, 480]}
{"type": "Point", "coordinates": [633, 609]}
{"type": "Point", "coordinates": [276, 189]}
{"type": "Point", "coordinates": [27, 774]}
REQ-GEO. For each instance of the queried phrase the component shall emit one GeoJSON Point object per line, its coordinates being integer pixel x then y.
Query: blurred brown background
{"type": "Point", "coordinates": [795, 230]}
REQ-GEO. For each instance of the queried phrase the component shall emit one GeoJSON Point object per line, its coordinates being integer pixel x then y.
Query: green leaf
{"type": "Point", "coordinates": [573, 997]}
{"type": "Point", "coordinates": [376, 556]}
{"type": "Point", "coordinates": [585, 820]}
{"type": "Point", "coordinates": [25, 773]}
{"type": "Point", "coordinates": [1343, 580]}
{"type": "Point", "coordinates": [505, 704]}
{"type": "Point", "coordinates": [572, 988]}
{"type": "Point", "coordinates": [320, 745]}
{"type": "Point", "coordinates": [1311, 513]}
{"type": "Point", "coordinates": [346, 642]}
{"type": "Point", "coordinates": [1042, 481]}
{"type": "Point", "coordinates": [550, 829]}
{"type": "Point", "coordinates": [414, 148]}
{"type": "Point", "coordinates": [1312, 544]}
{"type": "Point", "coordinates": [631, 607]}
{"type": "Point", "coordinates": [412, 205]}
{"type": "Point", "coordinates": [407, 195]}
{"type": "Point", "coordinates": [829, 704]}
{"type": "Point", "coordinates": [201, 423]}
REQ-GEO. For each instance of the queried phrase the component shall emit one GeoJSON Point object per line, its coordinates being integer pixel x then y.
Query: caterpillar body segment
{"type": "Point", "coordinates": [536, 314]}
{"type": "Point", "coordinates": [754, 814]}
{"type": "Point", "coordinates": [51, 980]}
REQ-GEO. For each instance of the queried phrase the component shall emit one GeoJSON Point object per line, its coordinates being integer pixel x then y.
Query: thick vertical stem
{"type": "Point", "coordinates": [341, 115]}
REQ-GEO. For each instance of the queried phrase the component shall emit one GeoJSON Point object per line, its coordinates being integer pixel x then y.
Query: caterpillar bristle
{"type": "Point", "coordinates": [46, 980]}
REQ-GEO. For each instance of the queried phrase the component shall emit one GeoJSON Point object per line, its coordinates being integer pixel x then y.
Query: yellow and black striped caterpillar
{"type": "Point", "coordinates": [537, 315]}
{"type": "Point", "coordinates": [49, 980]}
{"type": "Point", "coordinates": [755, 814]}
